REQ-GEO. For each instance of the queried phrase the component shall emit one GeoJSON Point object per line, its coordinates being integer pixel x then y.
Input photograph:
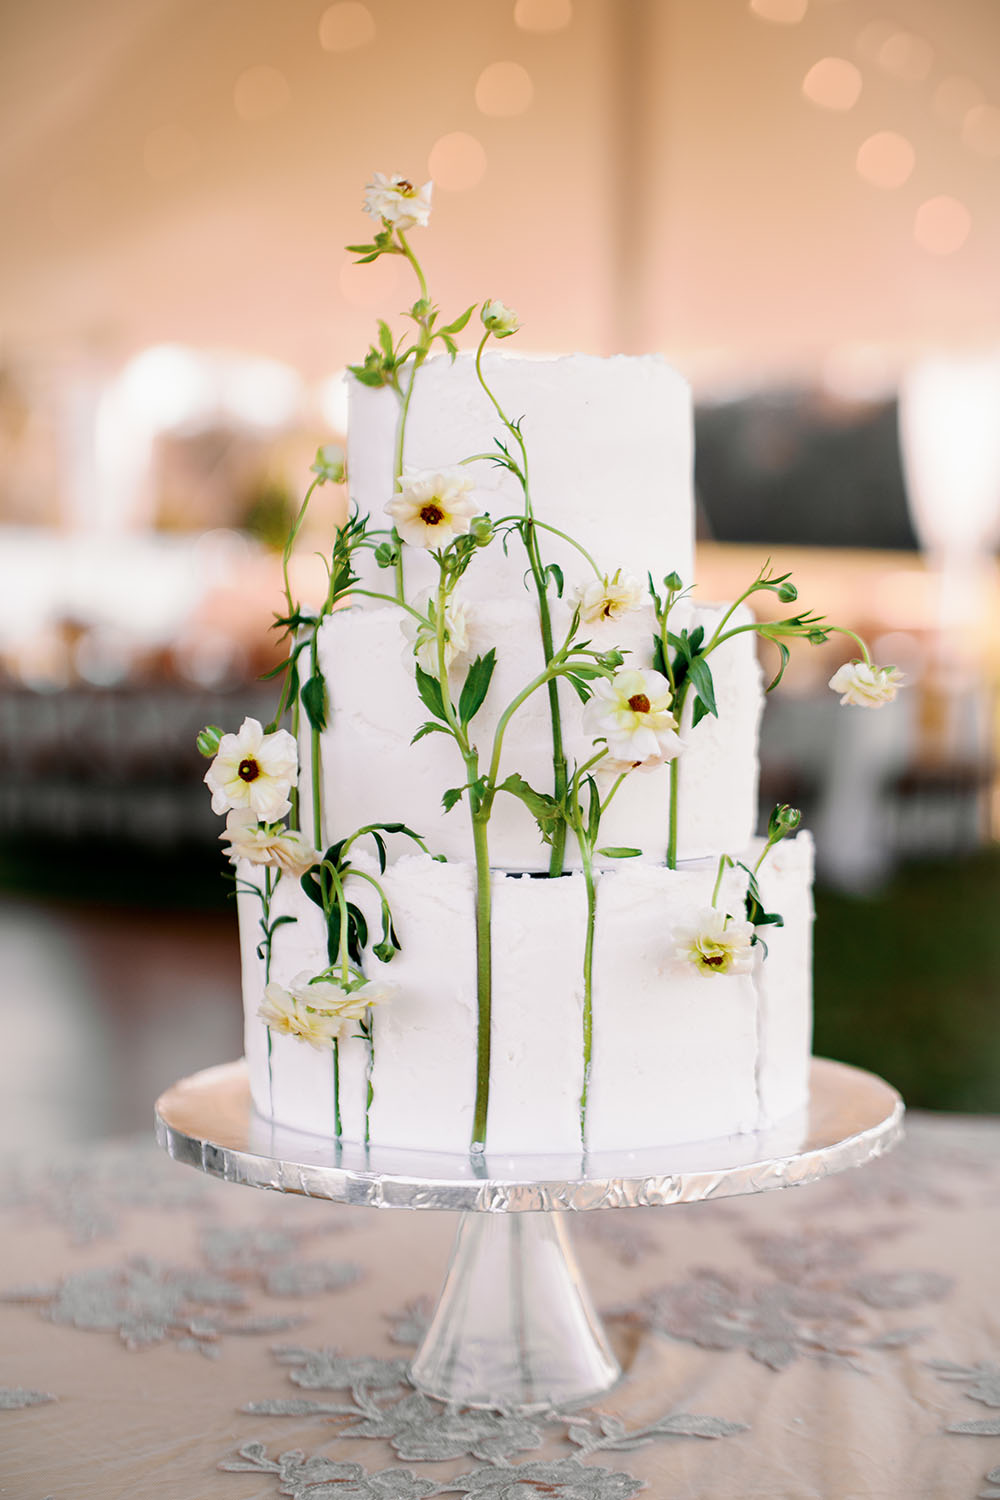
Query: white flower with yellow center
{"type": "Point", "coordinates": [396, 201]}
{"type": "Point", "coordinates": [608, 598]}
{"type": "Point", "coordinates": [433, 506]}
{"type": "Point", "coordinates": [254, 770]}
{"type": "Point", "coordinates": [318, 1012]}
{"type": "Point", "coordinates": [268, 844]}
{"type": "Point", "coordinates": [866, 686]}
{"type": "Point", "coordinates": [500, 319]}
{"type": "Point", "coordinates": [422, 634]}
{"type": "Point", "coordinates": [631, 711]}
{"type": "Point", "coordinates": [716, 944]}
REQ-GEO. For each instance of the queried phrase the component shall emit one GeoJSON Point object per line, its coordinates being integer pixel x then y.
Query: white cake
{"type": "Point", "coordinates": [674, 1054]}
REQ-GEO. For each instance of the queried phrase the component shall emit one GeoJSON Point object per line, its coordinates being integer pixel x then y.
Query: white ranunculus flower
{"type": "Point", "coordinates": [716, 944]}
{"type": "Point", "coordinates": [500, 319]}
{"type": "Point", "coordinates": [254, 770]}
{"type": "Point", "coordinates": [396, 201]}
{"type": "Point", "coordinates": [631, 711]}
{"type": "Point", "coordinates": [268, 844]}
{"type": "Point", "coordinates": [865, 685]}
{"type": "Point", "coordinates": [608, 598]}
{"type": "Point", "coordinates": [423, 637]}
{"type": "Point", "coordinates": [433, 506]}
{"type": "Point", "coordinates": [317, 1013]}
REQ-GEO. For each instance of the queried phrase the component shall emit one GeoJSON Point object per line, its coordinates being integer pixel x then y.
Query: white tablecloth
{"type": "Point", "coordinates": [169, 1337]}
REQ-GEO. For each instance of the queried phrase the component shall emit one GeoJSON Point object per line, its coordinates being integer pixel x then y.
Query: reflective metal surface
{"type": "Point", "coordinates": [208, 1121]}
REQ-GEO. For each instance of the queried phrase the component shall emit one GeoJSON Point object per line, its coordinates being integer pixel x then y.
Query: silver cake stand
{"type": "Point", "coordinates": [514, 1325]}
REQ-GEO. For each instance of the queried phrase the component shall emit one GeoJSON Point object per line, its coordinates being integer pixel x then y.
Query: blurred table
{"type": "Point", "coordinates": [171, 1336]}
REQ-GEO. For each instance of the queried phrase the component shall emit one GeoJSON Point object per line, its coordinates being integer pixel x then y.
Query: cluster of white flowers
{"type": "Point", "coordinates": [716, 944]}
{"type": "Point", "coordinates": [422, 634]}
{"type": "Point", "coordinates": [631, 712]}
{"type": "Point", "coordinates": [396, 202]}
{"type": "Point", "coordinates": [317, 1010]}
{"type": "Point", "coordinates": [433, 506]}
{"type": "Point", "coordinates": [608, 598]}
{"type": "Point", "coordinates": [864, 685]}
{"type": "Point", "coordinates": [250, 779]}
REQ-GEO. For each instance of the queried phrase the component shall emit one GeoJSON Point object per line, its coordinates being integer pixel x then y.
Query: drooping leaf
{"type": "Point", "coordinates": [756, 914]}
{"type": "Point", "coordinates": [701, 680]}
{"type": "Point", "coordinates": [543, 808]}
{"type": "Point", "coordinates": [581, 689]}
{"type": "Point", "coordinates": [451, 796]}
{"type": "Point", "coordinates": [430, 693]}
{"type": "Point", "coordinates": [785, 654]}
{"type": "Point", "coordinates": [698, 712]}
{"type": "Point", "coordinates": [659, 658]}
{"type": "Point", "coordinates": [314, 701]}
{"type": "Point", "coordinates": [379, 842]}
{"type": "Point", "coordinates": [619, 853]}
{"type": "Point", "coordinates": [476, 685]}
{"type": "Point", "coordinates": [593, 812]}
{"type": "Point", "coordinates": [357, 932]}
{"type": "Point", "coordinates": [429, 728]}
{"type": "Point", "coordinates": [555, 572]}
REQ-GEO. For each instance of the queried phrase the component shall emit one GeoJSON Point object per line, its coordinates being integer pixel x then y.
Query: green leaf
{"type": "Point", "coordinates": [699, 712]}
{"type": "Point", "coordinates": [379, 842]}
{"type": "Point", "coordinates": [430, 692]}
{"type": "Point", "coordinates": [581, 689]}
{"type": "Point", "coordinates": [385, 339]}
{"type": "Point", "coordinates": [544, 809]}
{"type": "Point", "coordinates": [586, 671]}
{"type": "Point", "coordinates": [279, 922]}
{"type": "Point", "coordinates": [449, 344]}
{"type": "Point", "coordinates": [659, 657]}
{"type": "Point", "coordinates": [476, 685]}
{"type": "Point", "coordinates": [785, 654]}
{"type": "Point", "coordinates": [430, 728]}
{"type": "Point", "coordinates": [460, 321]}
{"type": "Point", "coordinates": [451, 796]}
{"type": "Point", "coordinates": [555, 572]}
{"type": "Point", "coordinates": [619, 853]}
{"type": "Point", "coordinates": [701, 680]}
{"type": "Point", "coordinates": [756, 914]}
{"type": "Point", "coordinates": [594, 812]}
{"type": "Point", "coordinates": [357, 932]}
{"type": "Point", "coordinates": [314, 701]}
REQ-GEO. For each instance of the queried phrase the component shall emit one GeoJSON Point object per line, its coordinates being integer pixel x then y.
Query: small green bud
{"type": "Point", "coordinates": [783, 820]}
{"type": "Point", "coordinates": [384, 951]}
{"type": "Point", "coordinates": [787, 593]}
{"type": "Point", "coordinates": [208, 741]}
{"type": "Point", "coordinates": [818, 637]}
{"type": "Point", "coordinates": [672, 583]}
{"type": "Point", "coordinates": [421, 307]}
{"type": "Point", "coordinates": [481, 531]}
{"type": "Point", "coordinates": [329, 464]}
{"type": "Point", "coordinates": [386, 555]}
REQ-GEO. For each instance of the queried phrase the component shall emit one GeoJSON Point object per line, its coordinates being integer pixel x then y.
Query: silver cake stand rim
{"type": "Point", "coordinates": [207, 1121]}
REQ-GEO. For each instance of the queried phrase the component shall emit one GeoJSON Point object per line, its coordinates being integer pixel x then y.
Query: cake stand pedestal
{"type": "Point", "coordinates": [514, 1326]}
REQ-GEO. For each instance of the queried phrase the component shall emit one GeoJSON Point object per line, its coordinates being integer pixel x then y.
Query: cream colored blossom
{"type": "Point", "coordinates": [716, 944]}
{"type": "Point", "coordinates": [422, 635]}
{"type": "Point", "coordinates": [268, 844]}
{"type": "Point", "coordinates": [433, 506]}
{"type": "Point", "coordinates": [608, 598]}
{"type": "Point", "coordinates": [396, 201]}
{"type": "Point", "coordinates": [254, 770]}
{"type": "Point", "coordinates": [500, 319]}
{"type": "Point", "coordinates": [318, 1012]}
{"type": "Point", "coordinates": [631, 711]}
{"type": "Point", "coordinates": [866, 686]}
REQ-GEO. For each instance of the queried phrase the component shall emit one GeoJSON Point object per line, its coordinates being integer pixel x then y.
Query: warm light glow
{"type": "Point", "coordinates": [954, 97]}
{"type": "Point", "coordinates": [345, 26]}
{"type": "Point", "coordinates": [457, 162]}
{"type": "Point", "coordinates": [951, 449]}
{"type": "Point", "coordinates": [785, 12]}
{"type": "Point", "coordinates": [543, 15]}
{"type": "Point", "coordinates": [73, 204]}
{"type": "Point", "coordinates": [885, 159]}
{"type": "Point", "coordinates": [504, 88]}
{"type": "Point", "coordinates": [981, 129]}
{"type": "Point", "coordinates": [873, 37]}
{"type": "Point", "coordinates": [260, 93]}
{"type": "Point", "coordinates": [942, 225]}
{"type": "Point", "coordinates": [859, 372]}
{"type": "Point", "coordinates": [332, 395]}
{"type": "Point", "coordinates": [166, 386]}
{"type": "Point", "coordinates": [261, 392]}
{"type": "Point", "coordinates": [832, 83]}
{"type": "Point", "coordinates": [169, 152]}
{"type": "Point", "coordinates": [373, 285]}
{"type": "Point", "coordinates": [906, 56]}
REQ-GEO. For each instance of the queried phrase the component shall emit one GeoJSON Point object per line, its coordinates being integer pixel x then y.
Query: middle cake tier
{"type": "Point", "coordinates": [372, 772]}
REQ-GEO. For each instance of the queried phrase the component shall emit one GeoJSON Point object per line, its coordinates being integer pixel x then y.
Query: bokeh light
{"type": "Point", "coordinates": [543, 15]}
{"type": "Point", "coordinates": [942, 225]}
{"type": "Point", "coordinates": [504, 88]}
{"type": "Point", "coordinates": [260, 93]}
{"type": "Point", "coordinates": [784, 12]}
{"type": "Point", "coordinates": [885, 159]}
{"type": "Point", "coordinates": [346, 26]}
{"type": "Point", "coordinates": [457, 162]}
{"type": "Point", "coordinates": [981, 129]}
{"type": "Point", "coordinates": [832, 83]}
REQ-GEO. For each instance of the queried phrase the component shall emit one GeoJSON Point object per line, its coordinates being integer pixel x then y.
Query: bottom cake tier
{"type": "Point", "coordinates": [676, 1055]}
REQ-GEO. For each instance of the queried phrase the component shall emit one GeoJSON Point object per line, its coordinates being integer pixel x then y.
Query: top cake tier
{"type": "Point", "coordinates": [609, 446]}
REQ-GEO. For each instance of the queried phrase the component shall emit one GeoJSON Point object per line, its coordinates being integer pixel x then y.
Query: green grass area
{"type": "Point", "coordinates": [907, 982]}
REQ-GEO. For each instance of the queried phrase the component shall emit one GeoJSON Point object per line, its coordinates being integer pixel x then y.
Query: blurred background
{"type": "Point", "coordinates": [796, 200]}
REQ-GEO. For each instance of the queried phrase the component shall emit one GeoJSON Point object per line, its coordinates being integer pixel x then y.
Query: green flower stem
{"type": "Point", "coordinates": [544, 526]}
{"type": "Point", "coordinates": [842, 630]}
{"type": "Point", "coordinates": [588, 978]}
{"type": "Point", "coordinates": [420, 353]}
{"type": "Point", "coordinates": [484, 978]}
{"type": "Point", "coordinates": [265, 898]}
{"type": "Point", "coordinates": [559, 767]}
{"type": "Point", "coordinates": [725, 863]}
{"type": "Point", "coordinates": [369, 1070]}
{"type": "Point", "coordinates": [385, 598]}
{"type": "Point", "coordinates": [672, 816]}
{"type": "Point", "coordinates": [607, 801]}
{"type": "Point", "coordinates": [404, 242]}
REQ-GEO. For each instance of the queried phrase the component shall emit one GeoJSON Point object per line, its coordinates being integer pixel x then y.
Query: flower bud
{"type": "Point", "coordinates": [384, 952]}
{"type": "Point", "coordinates": [818, 637]}
{"type": "Point", "coordinates": [329, 464]}
{"type": "Point", "coordinates": [499, 319]}
{"type": "Point", "coordinates": [386, 555]}
{"type": "Point", "coordinates": [788, 593]}
{"type": "Point", "coordinates": [783, 820]}
{"type": "Point", "coordinates": [672, 583]}
{"type": "Point", "coordinates": [481, 531]}
{"type": "Point", "coordinates": [208, 741]}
